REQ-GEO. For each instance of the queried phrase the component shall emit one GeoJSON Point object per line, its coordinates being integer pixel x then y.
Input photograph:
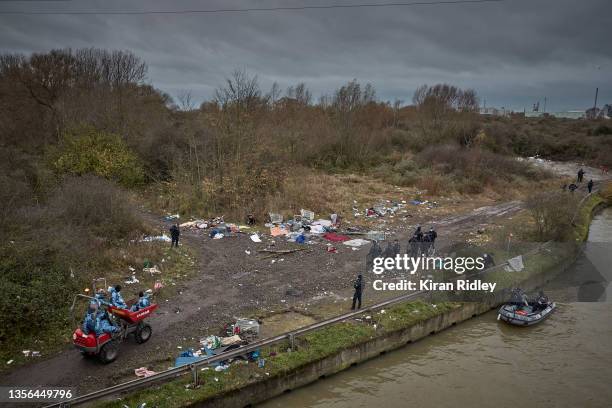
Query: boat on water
{"type": "Point", "coordinates": [521, 311]}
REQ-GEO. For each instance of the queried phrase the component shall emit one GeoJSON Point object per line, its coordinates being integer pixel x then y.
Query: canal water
{"type": "Point", "coordinates": [566, 361]}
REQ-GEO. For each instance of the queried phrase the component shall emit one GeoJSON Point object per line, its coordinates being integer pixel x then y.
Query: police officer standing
{"type": "Point", "coordinates": [358, 286]}
{"type": "Point", "coordinates": [175, 233]}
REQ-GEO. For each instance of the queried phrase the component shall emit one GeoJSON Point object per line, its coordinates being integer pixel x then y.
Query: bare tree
{"type": "Point", "coordinates": [241, 92]}
{"type": "Point", "coordinates": [274, 94]}
{"type": "Point", "coordinates": [439, 106]}
{"type": "Point", "coordinates": [397, 104]}
{"type": "Point", "coordinates": [185, 100]}
{"type": "Point", "coordinates": [300, 94]}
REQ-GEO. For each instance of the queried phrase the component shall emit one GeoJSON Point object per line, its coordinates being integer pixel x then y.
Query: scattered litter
{"type": "Point", "coordinates": [307, 215]}
{"type": "Point", "coordinates": [246, 251]}
{"type": "Point", "coordinates": [221, 368]}
{"type": "Point", "coordinates": [172, 217]}
{"type": "Point", "coordinates": [9, 362]}
{"type": "Point", "coordinates": [152, 270]}
{"type": "Point", "coordinates": [162, 238]}
{"type": "Point", "coordinates": [333, 237]}
{"type": "Point", "coordinates": [218, 236]}
{"type": "Point", "coordinates": [228, 341]}
{"type": "Point", "coordinates": [255, 238]}
{"type": "Point", "coordinates": [211, 342]}
{"type": "Point", "coordinates": [332, 249]}
{"type": "Point", "coordinates": [515, 264]}
{"type": "Point", "coordinates": [132, 280]}
{"type": "Point", "coordinates": [246, 327]}
{"type": "Point", "coordinates": [275, 218]}
{"type": "Point", "coordinates": [317, 229]}
{"type": "Point", "coordinates": [278, 230]}
{"type": "Point", "coordinates": [144, 372]}
{"type": "Point", "coordinates": [199, 224]}
{"type": "Point", "coordinates": [356, 243]}
{"type": "Point", "coordinates": [375, 235]}
{"type": "Point", "coordinates": [324, 223]}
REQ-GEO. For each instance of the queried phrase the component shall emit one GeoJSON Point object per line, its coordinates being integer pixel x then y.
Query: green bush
{"type": "Point", "coordinates": [90, 151]}
{"type": "Point", "coordinates": [602, 130]}
{"type": "Point", "coordinates": [53, 250]}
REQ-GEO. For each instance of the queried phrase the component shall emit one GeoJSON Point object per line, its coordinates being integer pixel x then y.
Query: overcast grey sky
{"type": "Point", "coordinates": [513, 53]}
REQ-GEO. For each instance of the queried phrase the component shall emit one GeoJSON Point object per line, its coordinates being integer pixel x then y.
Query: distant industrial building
{"type": "Point", "coordinates": [495, 111]}
{"type": "Point", "coordinates": [575, 114]}
{"type": "Point", "coordinates": [603, 113]}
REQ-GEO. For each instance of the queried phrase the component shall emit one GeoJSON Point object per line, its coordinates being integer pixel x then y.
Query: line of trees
{"type": "Point", "coordinates": [240, 144]}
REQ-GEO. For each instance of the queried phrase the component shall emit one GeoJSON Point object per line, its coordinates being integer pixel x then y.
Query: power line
{"type": "Point", "coordinates": [260, 9]}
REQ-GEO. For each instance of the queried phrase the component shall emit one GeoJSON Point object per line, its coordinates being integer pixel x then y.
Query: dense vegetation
{"type": "Point", "coordinates": [81, 132]}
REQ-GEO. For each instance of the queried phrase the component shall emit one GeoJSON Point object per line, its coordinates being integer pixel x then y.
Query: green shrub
{"type": "Point", "coordinates": [602, 130]}
{"type": "Point", "coordinates": [89, 151]}
{"type": "Point", "coordinates": [552, 213]}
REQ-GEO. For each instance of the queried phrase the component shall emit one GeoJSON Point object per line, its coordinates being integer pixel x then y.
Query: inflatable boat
{"type": "Point", "coordinates": [522, 312]}
{"type": "Point", "coordinates": [523, 315]}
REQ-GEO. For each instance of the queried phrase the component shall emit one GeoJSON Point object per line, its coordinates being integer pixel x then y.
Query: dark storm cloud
{"type": "Point", "coordinates": [513, 53]}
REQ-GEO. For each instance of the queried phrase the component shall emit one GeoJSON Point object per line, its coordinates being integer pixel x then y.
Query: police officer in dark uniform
{"type": "Point", "coordinates": [358, 286]}
{"type": "Point", "coordinates": [175, 233]}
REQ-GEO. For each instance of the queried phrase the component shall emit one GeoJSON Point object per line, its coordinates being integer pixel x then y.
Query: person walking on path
{"type": "Point", "coordinates": [590, 186]}
{"type": "Point", "coordinates": [580, 175]}
{"type": "Point", "coordinates": [175, 233]}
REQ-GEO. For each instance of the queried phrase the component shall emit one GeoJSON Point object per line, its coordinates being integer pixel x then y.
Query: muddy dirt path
{"type": "Point", "coordinates": [231, 283]}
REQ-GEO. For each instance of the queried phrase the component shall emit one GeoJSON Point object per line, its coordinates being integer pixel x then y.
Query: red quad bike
{"type": "Point", "coordinates": [106, 346]}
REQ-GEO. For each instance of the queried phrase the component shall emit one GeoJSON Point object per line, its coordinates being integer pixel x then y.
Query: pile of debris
{"type": "Point", "coordinates": [306, 229]}
{"type": "Point", "coordinates": [203, 224]}
{"type": "Point", "coordinates": [217, 227]}
{"type": "Point", "coordinates": [239, 334]}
